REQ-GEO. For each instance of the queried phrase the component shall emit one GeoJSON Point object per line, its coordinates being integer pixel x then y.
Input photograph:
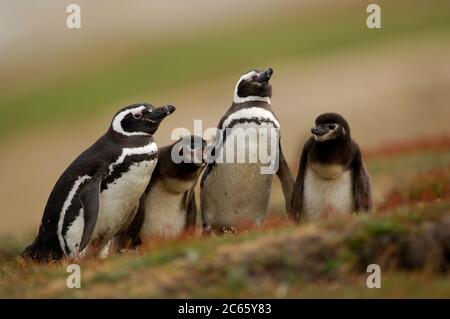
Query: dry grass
{"type": "Point", "coordinates": [408, 236]}
{"type": "Point", "coordinates": [422, 144]}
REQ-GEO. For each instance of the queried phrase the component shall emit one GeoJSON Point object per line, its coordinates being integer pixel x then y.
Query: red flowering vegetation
{"type": "Point", "coordinates": [426, 187]}
{"type": "Point", "coordinates": [156, 242]}
{"type": "Point", "coordinates": [274, 220]}
{"type": "Point", "coordinates": [430, 143]}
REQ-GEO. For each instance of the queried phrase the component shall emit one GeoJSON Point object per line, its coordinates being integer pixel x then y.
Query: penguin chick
{"type": "Point", "coordinates": [168, 206]}
{"type": "Point", "coordinates": [97, 195]}
{"type": "Point", "coordinates": [332, 178]}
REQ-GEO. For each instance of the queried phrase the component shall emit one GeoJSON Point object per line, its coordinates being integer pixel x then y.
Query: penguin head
{"type": "Point", "coordinates": [189, 152]}
{"type": "Point", "coordinates": [140, 119]}
{"type": "Point", "coordinates": [254, 86]}
{"type": "Point", "coordinates": [180, 164]}
{"type": "Point", "coordinates": [330, 126]}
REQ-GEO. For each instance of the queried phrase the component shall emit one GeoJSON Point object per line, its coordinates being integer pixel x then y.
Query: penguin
{"type": "Point", "coordinates": [168, 208]}
{"type": "Point", "coordinates": [237, 194]}
{"type": "Point", "coordinates": [97, 195]}
{"type": "Point", "coordinates": [332, 178]}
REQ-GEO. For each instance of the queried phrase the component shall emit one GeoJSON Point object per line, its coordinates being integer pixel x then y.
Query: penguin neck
{"type": "Point", "coordinates": [176, 178]}
{"type": "Point", "coordinates": [336, 151]}
{"type": "Point", "coordinates": [237, 99]}
{"type": "Point", "coordinates": [243, 105]}
{"type": "Point", "coordinates": [168, 168]}
{"type": "Point", "coordinates": [129, 141]}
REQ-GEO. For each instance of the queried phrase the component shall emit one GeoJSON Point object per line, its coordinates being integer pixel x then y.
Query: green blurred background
{"type": "Point", "coordinates": [60, 87]}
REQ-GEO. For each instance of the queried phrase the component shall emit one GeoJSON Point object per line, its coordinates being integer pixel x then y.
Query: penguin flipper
{"type": "Point", "coordinates": [286, 179]}
{"type": "Point", "coordinates": [297, 194]}
{"type": "Point", "coordinates": [90, 200]}
{"type": "Point", "coordinates": [191, 209]}
{"type": "Point", "coordinates": [362, 193]}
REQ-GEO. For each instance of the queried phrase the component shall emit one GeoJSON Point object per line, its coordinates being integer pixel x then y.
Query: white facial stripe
{"type": "Point", "coordinates": [324, 137]}
{"type": "Point", "coordinates": [66, 205]}
{"type": "Point", "coordinates": [248, 76]}
{"type": "Point", "coordinates": [238, 99]}
{"type": "Point", "coordinates": [147, 149]}
{"type": "Point", "coordinates": [117, 122]}
{"type": "Point", "coordinates": [248, 113]}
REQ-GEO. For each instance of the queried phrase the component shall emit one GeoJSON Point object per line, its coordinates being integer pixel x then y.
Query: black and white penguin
{"type": "Point", "coordinates": [97, 195]}
{"type": "Point", "coordinates": [332, 178]}
{"type": "Point", "coordinates": [168, 208]}
{"type": "Point", "coordinates": [238, 192]}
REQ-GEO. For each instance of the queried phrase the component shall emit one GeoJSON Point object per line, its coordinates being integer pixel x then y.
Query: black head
{"type": "Point", "coordinates": [189, 151]}
{"type": "Point", "coordinates": [182, 160]}
{"type": "Point", "coordinates": [254, 86]}
{"type": "Point", "coordinates": [330, 126]}
{"type": "Point", "coordinates": [140, 119]}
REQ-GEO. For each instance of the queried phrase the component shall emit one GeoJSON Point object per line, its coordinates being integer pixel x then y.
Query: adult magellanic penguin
{"type": "Point", "coordinates": [332, 178]}
{"type": "Point", "coordinates": [167, 207]}
{"type": "Point", "coordinates": [97, 195]}
{"type": "Point", "coordinates": [236, 191]}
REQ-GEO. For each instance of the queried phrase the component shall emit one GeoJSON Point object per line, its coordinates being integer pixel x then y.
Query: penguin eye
{"type": "Point", "coordinates": [331, 126]}
{"type": "Point", "coordinates": [137, 116]}
{"type": "Point", "coordinates": [254, 78]}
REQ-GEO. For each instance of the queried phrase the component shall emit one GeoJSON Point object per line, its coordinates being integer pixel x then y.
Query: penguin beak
{"type": "Point", "coordinates": [157, 114]}
{"type": "Point", "coordinates": [204, 144]}
{"type": "Point", "coordinates": [199, 153]}
{"type": "Point", "coordinates": [319, 130]}
{"type": "Point", "coordinates": [265, 75]}
{"type": "Point", "coordinates": [169, 109]}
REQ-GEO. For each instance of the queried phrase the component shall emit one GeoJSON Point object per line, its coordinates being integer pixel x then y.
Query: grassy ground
{"type": "Point", "coordinates": [408, 236]}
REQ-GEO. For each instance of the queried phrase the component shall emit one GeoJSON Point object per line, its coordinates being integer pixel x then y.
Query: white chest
{"type": "Point", "coordinates": [252, 136]}
{"type": "Point", "coordinates": [237, 190]}
{"type": "Point", "coordinates": [118, 201]}
{"type": "Point", "coordinates": [235, 194]}
{"type": "Point", "coordinates": [164, 213]}
{"type": "Point", "coordinates": [327, 192]}
{"type": "Point", "coordinates": [249, 143]}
